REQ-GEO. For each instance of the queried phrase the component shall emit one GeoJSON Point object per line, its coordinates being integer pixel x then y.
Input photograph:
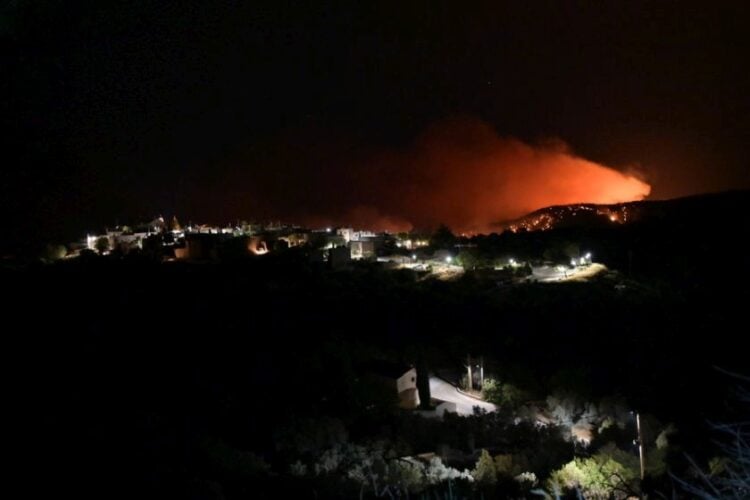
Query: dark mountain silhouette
{"type": "Point", "coordinates": [714, 208]}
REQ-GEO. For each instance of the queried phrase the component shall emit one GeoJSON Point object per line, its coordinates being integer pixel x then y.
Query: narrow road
{"type": "Point", "coordinates": [549, 274]}
{"type": "Point", "coordinates": [546, 274]}
{"type": "Point", "coordinates": [440, 389]}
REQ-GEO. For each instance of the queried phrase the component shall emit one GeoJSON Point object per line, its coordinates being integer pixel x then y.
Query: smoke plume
{"type": "Point", "coordinates": [458, 172]}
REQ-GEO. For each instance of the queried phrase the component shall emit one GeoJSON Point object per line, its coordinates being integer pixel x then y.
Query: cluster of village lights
{"type": "Point", "coordinates": [582, 261]}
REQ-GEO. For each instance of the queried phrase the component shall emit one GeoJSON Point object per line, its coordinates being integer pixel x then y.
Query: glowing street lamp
{"type": "Point", "coordinates": [449, 259]}
{"type": "Point", "coordinates": [413, 256]}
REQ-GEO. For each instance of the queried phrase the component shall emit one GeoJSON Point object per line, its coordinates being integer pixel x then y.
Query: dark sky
{"type": "Point", "coordinates": [115, 111]}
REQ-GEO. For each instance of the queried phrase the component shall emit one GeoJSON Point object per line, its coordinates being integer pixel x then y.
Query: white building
{"type": "Point", "coordinates": [402, 379]}
{"type": "Point", "coordinates": [346, 233]}
{"type": "Point", "coordinates": [362, 249]}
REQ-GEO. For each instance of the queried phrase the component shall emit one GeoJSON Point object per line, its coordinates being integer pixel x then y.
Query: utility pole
{"type": "Point", "coordinates": [481, 373]}
{"type": "Point", "coordinates": [640, 444]}
{"type": "Point", "coordinates": [640, 452]}
{"type": "Point", "coordinates": [469, 383]}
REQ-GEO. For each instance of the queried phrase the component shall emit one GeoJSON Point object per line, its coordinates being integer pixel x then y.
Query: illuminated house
{"type": "Point", "coordinates": [296, 239]}
{"type": "Point", "coordinates": [121, 239]}
{"type": "Point", "coordinates": [400, 378]}
{"type": "Point", "coordinates": [362, 249]}
{"type": "Point", "coordinates": [128, 242]}
{"type": "Point", "coordinates": [346, 232]}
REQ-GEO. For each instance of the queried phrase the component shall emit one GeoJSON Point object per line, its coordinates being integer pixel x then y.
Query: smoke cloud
{"type": "Point", "coordinates": [458, 172]}
{"type": "Point", "coordinates": [463, 174]}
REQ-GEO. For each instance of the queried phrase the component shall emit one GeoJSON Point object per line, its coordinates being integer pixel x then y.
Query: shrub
{"type": "Point", "coordinates": [611, 473]}
{"type": "Point", "coordinates": [484, 472]}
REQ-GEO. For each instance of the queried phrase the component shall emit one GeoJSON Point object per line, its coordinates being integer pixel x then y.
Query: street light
{"type": "Point", "coordinates": [449, 259]}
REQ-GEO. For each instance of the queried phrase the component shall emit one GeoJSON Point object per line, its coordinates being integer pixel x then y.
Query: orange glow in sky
{"type": "Point", "coordinates": [458, 172]}
{"type": "Point", "coordinates": [463, 174]}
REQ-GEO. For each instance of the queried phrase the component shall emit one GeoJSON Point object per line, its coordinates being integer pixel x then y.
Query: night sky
{"type": "Point", "coordinates": [396, 114]}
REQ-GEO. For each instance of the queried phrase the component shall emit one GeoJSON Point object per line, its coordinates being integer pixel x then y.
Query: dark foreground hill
{"type": "Point", "coordinates": [171, 379]}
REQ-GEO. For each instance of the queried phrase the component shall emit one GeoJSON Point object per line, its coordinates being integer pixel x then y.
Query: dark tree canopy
{"type": "Point", "coordinates": [443, 237]}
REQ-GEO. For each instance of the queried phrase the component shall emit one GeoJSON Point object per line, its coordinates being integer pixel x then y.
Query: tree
{"type": "Point", "coordinates": [572, 250]}
{"type": "Point", "coordinates": [492, 391]}
{"type": "Point", "coordinates": [728, 476]}
{"type": "Point", "coordinates": [423, 385]}
{"type": "Point", "coordinates": [484, 472]}
{"type": "Point", "coordinates": [467, 259]}
{"type": "Point", "coordinates": [443, 237]}
{"type": "Point", "coordinates": [503, 394]}
{"type": "Point", "coordinates": [512, 395]}
{"type": "Point", "coordinates": [53, 252]}
{"type": "Point", "coordinates": [510, 466]}
{"type": "Point", "coordinates": [102, 244]}
{"type": "Point", "coordinates": [233, 462]}
{"type": "Point", "coordinates": [524, 271]}
{"type": "Point", "coordinates": [611, 473]}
